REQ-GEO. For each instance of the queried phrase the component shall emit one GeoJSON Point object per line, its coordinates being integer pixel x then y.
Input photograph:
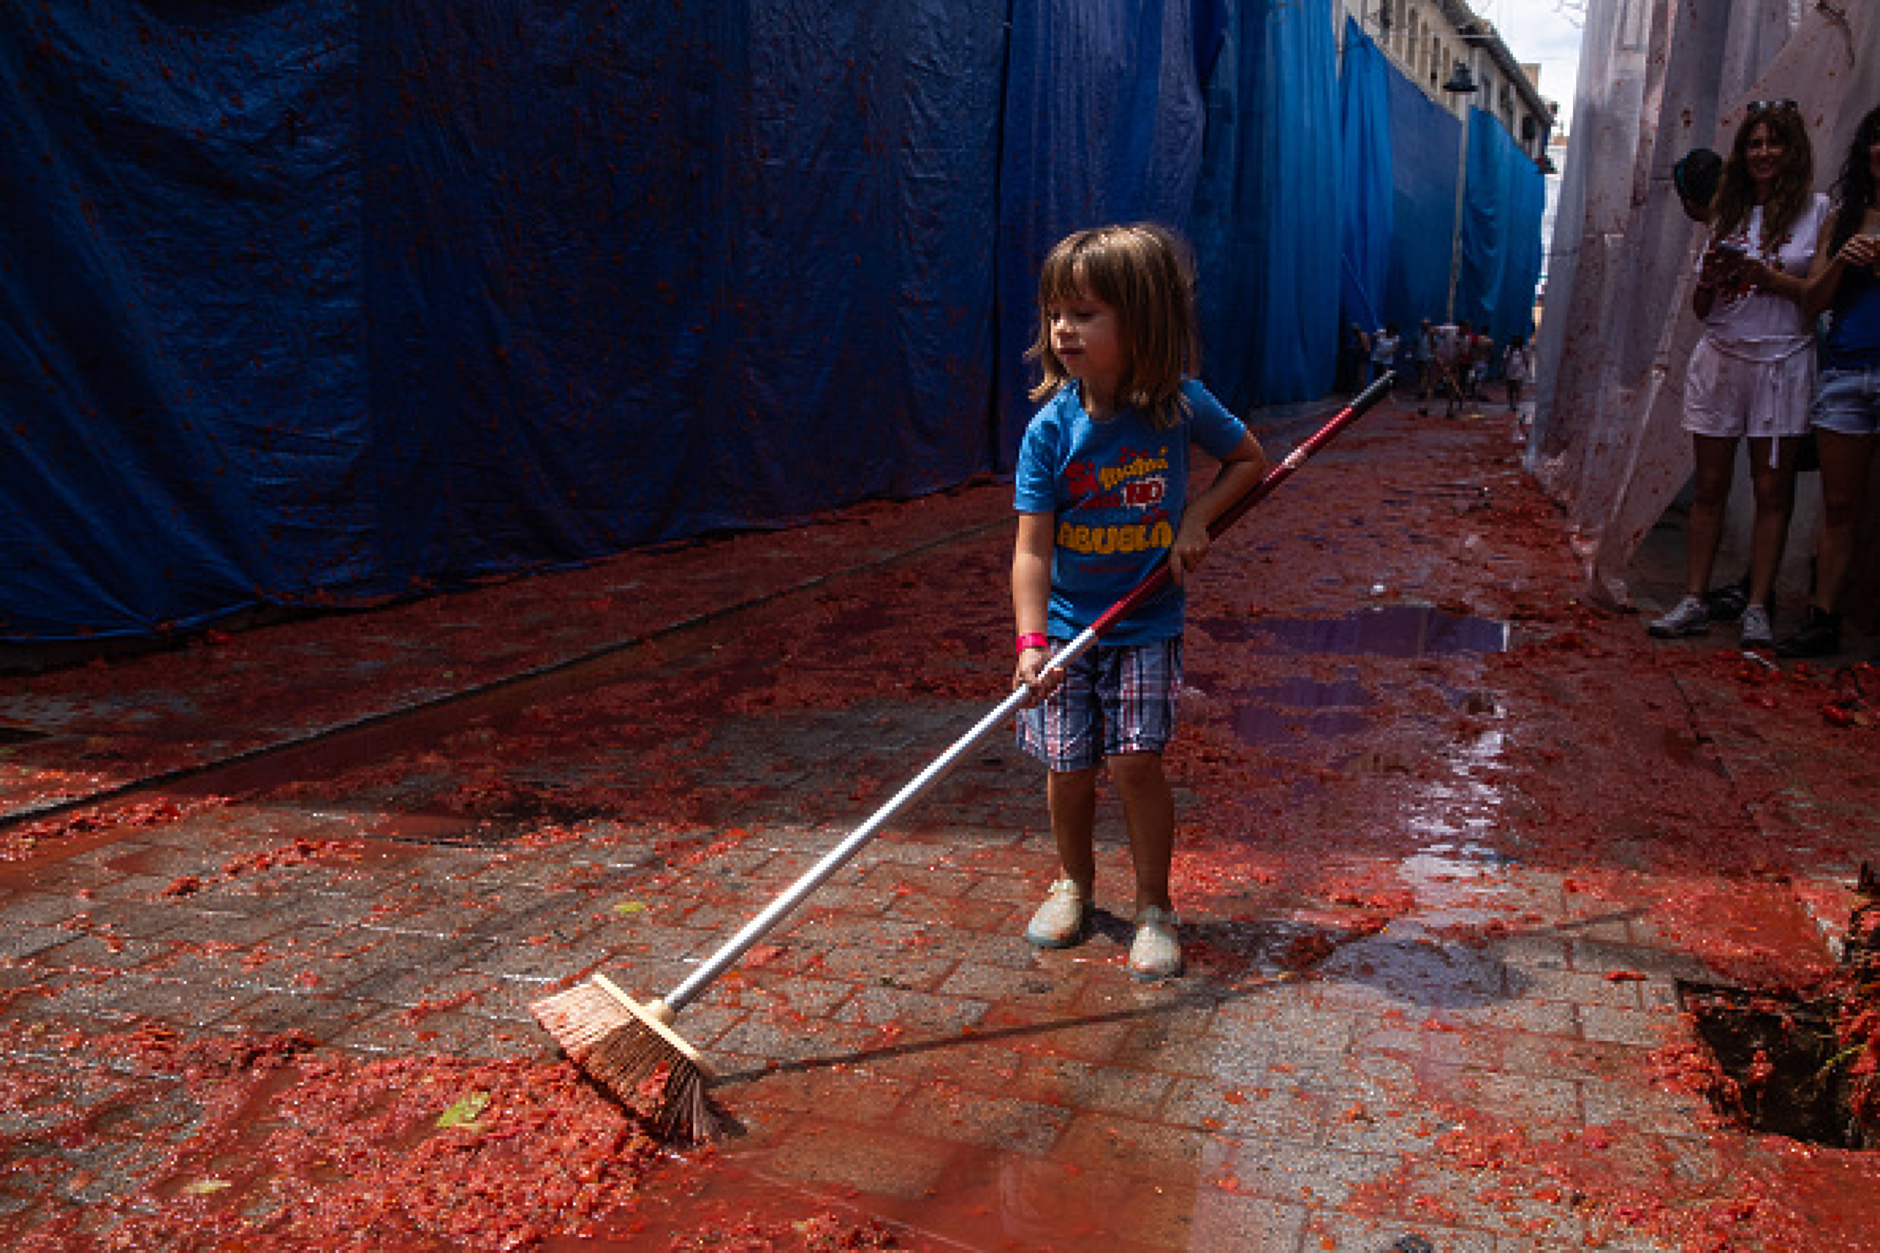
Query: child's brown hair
{"type": "Point", "coordinates": [1146, 274]}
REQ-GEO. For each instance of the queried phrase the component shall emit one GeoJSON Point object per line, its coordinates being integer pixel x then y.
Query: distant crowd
{"type": "Point", "coordinates": [1451, 362]}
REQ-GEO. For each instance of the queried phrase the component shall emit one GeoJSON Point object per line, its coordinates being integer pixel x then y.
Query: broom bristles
{"type": "Point", "coordinates": [621, 1044]}
{"type": "Point", "coordinates": [580, 1018]}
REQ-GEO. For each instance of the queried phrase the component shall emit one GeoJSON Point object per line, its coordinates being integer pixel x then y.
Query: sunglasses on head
{"type": "Point", "coordinates": [1772, 106]}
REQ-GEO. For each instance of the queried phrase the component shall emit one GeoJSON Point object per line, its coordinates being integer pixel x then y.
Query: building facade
{"type": "Point", "coordinates": [1441, 45]}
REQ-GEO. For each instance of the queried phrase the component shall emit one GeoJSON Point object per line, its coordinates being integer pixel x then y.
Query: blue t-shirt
{"type": "Point", "coordinates": [1853, 341]}
{"type": "Point", "coordinates": [1117, 490]}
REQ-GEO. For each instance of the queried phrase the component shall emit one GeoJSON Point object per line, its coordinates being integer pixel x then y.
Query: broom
{"type": "Point", "coordinates": [629, 1048]}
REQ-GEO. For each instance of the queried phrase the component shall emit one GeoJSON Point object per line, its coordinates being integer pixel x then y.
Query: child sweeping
{"type": "Point", "coordinates": [1102, 498]}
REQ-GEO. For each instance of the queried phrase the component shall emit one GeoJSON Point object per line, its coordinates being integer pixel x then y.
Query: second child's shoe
{"type": "Point", "coordinates": [1063, 919]}
{"type": "Point", "coordinates": [1757, 631]}
{"type": "Point", "coordinates": [1157, 950]}
{"type": "Point", "coordinates": [1690, 616]}
{"type": "Point", "coordinates": [1818, 636]}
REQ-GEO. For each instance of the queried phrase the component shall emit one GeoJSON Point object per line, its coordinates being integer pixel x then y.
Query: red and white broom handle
{"type": "Point", "coordinates": [835, 858]}
{"type": "Point", "coordinates": [1151, 586]}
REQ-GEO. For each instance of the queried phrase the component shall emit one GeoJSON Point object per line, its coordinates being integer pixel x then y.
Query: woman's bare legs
{"type": "Point", "coordinates": [1775, 506]}
{"type": "Point", "coordinates": [1716, 466]}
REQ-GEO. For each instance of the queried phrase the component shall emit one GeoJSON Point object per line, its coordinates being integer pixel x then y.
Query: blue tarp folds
{"type": "Point", "coordinates": [1366, 179]}
{"type": "Point", "coordinates": [1102, 123]}
{"type": "Point", "coordinates": [1425, 144]}
{"type": "Point", "coordinates": [1299, 101]}
{"type": "Point", "coordinates": [182, 355]}
{"type": "Point", "coordinates": [1501, 238]}
{"type": "Point", "coordinates": [1265, 220]}
{"type": "Point", "coordinates": [646, 272]}
{"type": "Point", "coordinates": [323, 303]}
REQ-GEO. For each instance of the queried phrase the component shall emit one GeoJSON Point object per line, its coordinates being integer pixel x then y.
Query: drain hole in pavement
{"type": "Point", "coordinates": [19, 735]}
{"type": "Point", "coordinates": [1781, 1069]}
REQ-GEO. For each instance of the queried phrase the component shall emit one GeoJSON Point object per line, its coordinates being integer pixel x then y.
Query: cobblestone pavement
{"type": "Point", "coordinates": [1453, 848]}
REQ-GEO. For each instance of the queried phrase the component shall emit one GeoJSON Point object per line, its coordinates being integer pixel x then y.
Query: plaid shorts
{"type": "Point", "coordinates": [1115, 699]}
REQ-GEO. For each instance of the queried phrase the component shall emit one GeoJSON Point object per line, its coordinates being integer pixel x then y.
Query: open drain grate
{"type": "Point", "coordinates": [1782, 1071]}
{"type": "Point", "coordinates": [20, 735]}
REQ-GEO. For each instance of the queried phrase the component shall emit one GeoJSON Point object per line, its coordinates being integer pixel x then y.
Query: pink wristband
{"type": "Point", "coordinates": [1033, 639]}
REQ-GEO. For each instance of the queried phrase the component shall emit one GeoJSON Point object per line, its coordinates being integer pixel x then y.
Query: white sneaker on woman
{"type": "Point", "coordinates": [1757, 631]}
{"type": "Point", "coordinates": [1690, 616]}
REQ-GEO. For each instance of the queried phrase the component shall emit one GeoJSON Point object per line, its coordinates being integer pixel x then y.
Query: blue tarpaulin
{"type": "Point", "coordinates": [1367, 181]}
{"type": "Point", "coordinates": [1102, 123]}
{"type": "Point", "coordinates": [1426, 145]}
{"type": "Point", "coordinates": [183, 355]}
{"type": "Point", "coordinates": [1501, 239]}
{"type": "Point", "coordinates": [646, 272]}
{"type": "Point", "coordinates": [1266, 208]}
{"type": "Point", "coordinates": [323, 304]}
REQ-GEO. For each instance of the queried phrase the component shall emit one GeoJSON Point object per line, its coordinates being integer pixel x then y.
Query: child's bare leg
{"type": "Point", "coordinates": [1072, 795]}
{"type": "Point", "coordinates": [1149, 813]}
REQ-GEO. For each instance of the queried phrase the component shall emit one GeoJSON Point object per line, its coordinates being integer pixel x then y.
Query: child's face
{"type": "Point", "coordinates": [1086, 335]}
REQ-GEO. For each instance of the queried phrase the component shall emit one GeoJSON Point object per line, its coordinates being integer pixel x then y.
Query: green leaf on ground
{"type": "Point", "coordinates": [203, 1187]}
{"type": "Point", "coordinates": [466, 1111]}
{"type": "Point", "coordinates": [624, 908]}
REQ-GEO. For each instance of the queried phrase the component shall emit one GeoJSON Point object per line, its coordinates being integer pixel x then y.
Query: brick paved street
{"type": "Point", "coordinates": [1451, 842]}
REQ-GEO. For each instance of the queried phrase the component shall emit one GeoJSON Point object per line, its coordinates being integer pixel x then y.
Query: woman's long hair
{"type": "Point", "coordinates": [1854, 189]}
{"type": "Point", "coordinates": [1736, 194]}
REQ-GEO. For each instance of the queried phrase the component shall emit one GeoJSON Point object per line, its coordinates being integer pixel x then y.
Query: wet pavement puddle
{"type": "Point", "coordinates": [1381, 630]}
{"type": "Point", "coordinates": [1280, 714]}
{"type": "Point", "coordinates": [1304, 711]}
{"type": "Point", "coordinates": [1408, 962]}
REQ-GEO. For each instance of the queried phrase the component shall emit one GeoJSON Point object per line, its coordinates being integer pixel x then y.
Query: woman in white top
{"type": "Point", "coordinates": [1751, 375]}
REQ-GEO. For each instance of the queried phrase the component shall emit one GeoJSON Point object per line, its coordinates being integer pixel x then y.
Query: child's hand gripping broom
{"type": "Point", "coordinates": [623, 1044]}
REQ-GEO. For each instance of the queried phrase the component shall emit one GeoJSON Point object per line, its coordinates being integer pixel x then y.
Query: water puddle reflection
{"type": "Point", "coordinates": [1390, 731]}
{"type": "Point", "coordinates": [1284, 713]}
{"type": "Point", "coordinates": [1457, 883]}
{"type": "Point", "coordinates": [1409, 962]}
{"type": "Point", "coordinates": [1381, 630]}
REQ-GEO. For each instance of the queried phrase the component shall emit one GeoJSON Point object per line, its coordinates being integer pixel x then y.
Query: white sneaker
{"type": "Point", "coordinates": [1063, 919]}
{"type": "Point", "coordinates": [1691, 616]}
{"type": "Point", "coordinates": [1157, 950]}
{"type": "Point", "coordinates": [1757, 632]}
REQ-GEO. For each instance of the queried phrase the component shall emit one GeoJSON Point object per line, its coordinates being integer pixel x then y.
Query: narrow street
{"type": "Point", "coordinates": [1460, 860]}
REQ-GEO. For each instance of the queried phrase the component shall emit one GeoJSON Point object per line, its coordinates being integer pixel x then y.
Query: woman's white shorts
{"type": "Point", "coordinates": [1728, 392]}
